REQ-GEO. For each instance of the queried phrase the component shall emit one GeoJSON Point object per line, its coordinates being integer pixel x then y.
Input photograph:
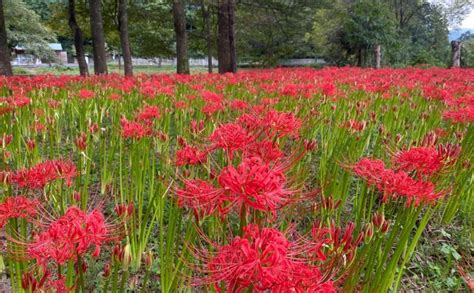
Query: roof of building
{"type": "Point", "coordinates": [53, 46]}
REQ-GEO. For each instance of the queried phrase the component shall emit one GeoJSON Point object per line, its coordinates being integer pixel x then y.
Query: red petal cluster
{"type": "Point", "coordinates": [38, 176]}
{"type": "Point", "coordinates": [262, 260]}
{"type": "Point", "coordinates": [17, 207]}
{"type": "Point", "coordinates": [69, 236]}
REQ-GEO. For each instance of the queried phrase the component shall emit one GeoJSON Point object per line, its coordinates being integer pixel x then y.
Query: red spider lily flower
{"type": "Point", "coordinates": [400, 183]}
{"type": "Point", "coordinates": [19, 101]}
{"type": "Point", "coordinates": [238, 105]}
{"type": "Point", "coordinates": [212, 107]}
{"type": "Point", "coordinates": [201, 197]}
{"type": "Point", "coordinates": [267, 150]}
{"type": "Point", "coordinates": [261, 260]}
{"type": "Point", "coordinates": [230, 137]}
{"type": "Point", "coordinates": [190, 156]}
{"type": "Point", "coordinates": [17, 207]}
{"type": "Point", "coordinates": [257, 259]}
{"type": "Point", "coordinates": [461, 115]}
{"type": "Point", "coordinates": [303, 278]}
{"type": "Point", "coordinates": [180, 105]}
{"type": "Point", "coordinates": [212, 97]}
{"type": "Point", "coordinates": [41, 174]}
{"type": "Point", "coordinates": [86, 94]}
{"type": "Point", "coordinates": [148, 114]}
{"type": "Point", "coordinates": [396, 183]}
{"type": "Point", "coordinates": [69, 236]}
{"type": "Point", "coordinates": [423, 160]}
{"type": "Point", "coordinates": [134, 130]}
{"type": "Point", "coordinates": [256, 184]}
{"type": "Point", "coordinates": [369, 169]}
{"type": "Point", "coordinates": [281, 124]}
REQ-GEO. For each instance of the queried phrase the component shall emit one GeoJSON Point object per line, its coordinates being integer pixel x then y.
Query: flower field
{"type": "Point", "coordinates": [278, 180]}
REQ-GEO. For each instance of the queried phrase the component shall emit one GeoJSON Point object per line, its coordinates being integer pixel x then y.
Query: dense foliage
{"type": "Point", "coordinates": [267, 31]}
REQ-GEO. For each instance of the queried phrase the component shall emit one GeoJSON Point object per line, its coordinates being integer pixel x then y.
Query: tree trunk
{"type": "Point", "coordinates": [456, 54]}
{"type": "Point", "coordinates": [225, 40]}
{"type": "Point", "coordinates": [207, 31]}
{"type": "Point", "coordinates": [233, 54]}
{"type": "Point", "coordinates": [5, 65]}
{"type": "Point", "coordinates": [124, 40]}
{"type": "Point", "coordinates": [78, 40]}
{"type": "Point", "coordinates": [179, 18]}
{"type": "Point", "coordinates": [359, 58]}
{"type": "Point", "coordinates": [377, 56]}
{"type": "Point", "coordinates": [98, 38]}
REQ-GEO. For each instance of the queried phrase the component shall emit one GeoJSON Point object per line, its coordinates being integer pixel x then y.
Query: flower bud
{"type": "Point", "coordinates": [107, 270]}
{"type": "Point", "coordinates": [127, 257]}
{"type": "Point", "coordinates": [148, 260]}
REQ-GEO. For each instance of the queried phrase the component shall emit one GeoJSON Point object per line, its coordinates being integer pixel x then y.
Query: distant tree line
{"type": "Point", "coordinates": [252, 32]}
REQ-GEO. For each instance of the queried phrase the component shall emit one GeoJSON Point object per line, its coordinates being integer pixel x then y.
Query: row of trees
{"type": "Point", "coordinates": [342, 32]}
{"type": "Point", "coordinates": [226, 51]}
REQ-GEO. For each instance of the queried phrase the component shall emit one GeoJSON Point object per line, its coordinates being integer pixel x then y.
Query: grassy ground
{"type": "Point", "coordinates": [113, 68]}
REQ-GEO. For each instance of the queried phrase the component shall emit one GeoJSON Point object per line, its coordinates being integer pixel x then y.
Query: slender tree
{"type": "Point", "coordinates": [226, 41]}
{"type": "Point", "coordinates": [232, 45]}
{"type": "Point", "coordinates": [98, 38]}
{"type": "Point", "coordinates": [456, 54]}
{"type": "Point", "coordinates": [124, 40]}
{"type": "Point", "coordinates": [179, 18]}
{"type": "Point", "coordinates": [78, 39]}
{"type": "Point", "coordinates": [5, 65]}
{"type": "Point", "coordinates": [206, 14]}
{"type": "Point", "coordinates": [377, 56]}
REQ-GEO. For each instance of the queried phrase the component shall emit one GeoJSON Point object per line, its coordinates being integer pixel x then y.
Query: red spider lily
{"type": "Point", "coordinates": [396, 183]}
{"type": "Point", "coordinates": [267, 150]}
{"type": "Point", "coordinates": [238, 105]}
{"type": "Point", "coordinates": [17, 207]}
{"type": "Point", "coordinates": [86, 94]}
{"type": "Point", "coordinates": [256, 184]}
{"type": "Point", "coordinates": [369, 169]}
{"type": "Point", "coordinates": [201, 197]}
{"type": "Point", "coordinates": [212, 97]}
{"type": "Point", "coordinates": [427, 160]}
{"type": "Point", "coordinates": [423, 160]}
{"type": "Point", "coordinates": [212, 107]}
{"type": "Point", "coordinates": [69, 237]}
{"type": "Point", "coordinates": [19, 101]}
{"type": "Point", "coordinates": [230, 137]}
{"type": "Point", "coordinates": [38, 176]}
{"type": "Point", "coordinates": [280, 124]}
{"type": "Point", "coordinates": [148, 114]}
{"type": "Point", "coordinates": [134, 130]}
{"type": "Point", "coordinates": [190, 156]}
{"type": "Point", "coordinates": [260, 260]}
{"type": "Point", "coordinates": [460, 115]}
{"type": "Point", "coordinates": [400, 183]}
